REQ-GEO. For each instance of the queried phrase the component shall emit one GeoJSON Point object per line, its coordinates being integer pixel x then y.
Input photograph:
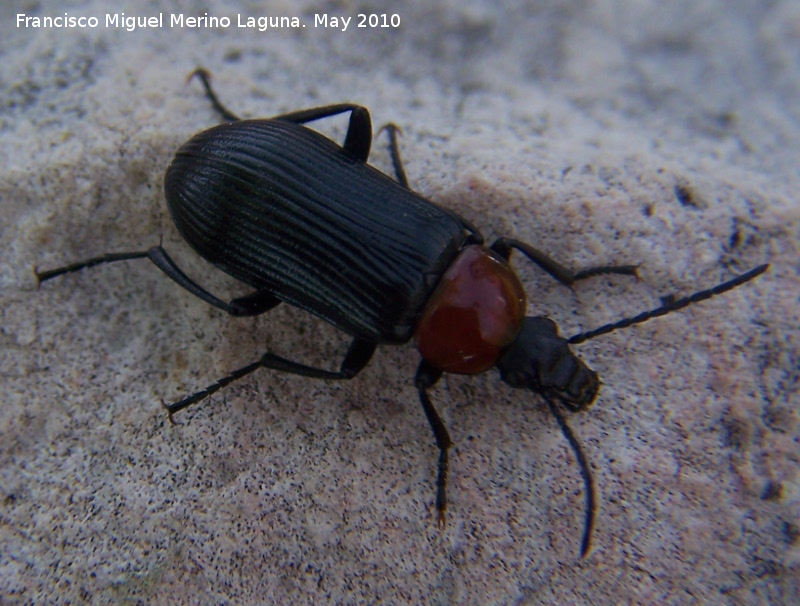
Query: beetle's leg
{"type": "Point", "coordinates": [474, 236]}
{"type": "Point", "coordinates": [394, 150]}
{"type": "Point", "coordinates": [358, 140]}
{"type": "Point", "coordinates": [503, 246]}
{"type": "Point", "coordinates": [357, 356]}
{"type": "Point", "coordinates": [107, 258]}
{"type": "Point", "coordinates": [254, 304]}
{"type": "Point", "coordinates": [359, 132]}
{"type": "Point", "coordinates": [586, 473]}
{"type": "Point", "coordinates": [426, 377]}
{"type": "Point", "coordinates": [249, 305]}
{"type": "Point", "coordinates": [205, 78]}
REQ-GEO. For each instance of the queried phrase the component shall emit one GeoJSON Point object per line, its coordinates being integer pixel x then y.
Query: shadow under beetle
{"type": "Point", "coordinates": [307, 222]}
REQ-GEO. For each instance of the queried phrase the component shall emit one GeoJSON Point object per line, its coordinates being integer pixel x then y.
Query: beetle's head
{"type": "Point", "coordinates": [540, 360]}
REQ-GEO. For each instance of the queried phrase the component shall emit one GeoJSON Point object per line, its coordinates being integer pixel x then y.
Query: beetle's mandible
{"type": "Point", "coordinates": [307, 222]}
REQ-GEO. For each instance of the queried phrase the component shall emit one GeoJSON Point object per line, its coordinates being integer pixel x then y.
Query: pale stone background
{"type": "Point", "coordinates": [659, 133]}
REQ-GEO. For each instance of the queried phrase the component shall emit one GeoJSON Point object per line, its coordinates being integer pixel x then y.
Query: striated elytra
{"type": "Point", "coordinates": [286, 210]}
{"type": "Point", "coordinates": [305, 221]}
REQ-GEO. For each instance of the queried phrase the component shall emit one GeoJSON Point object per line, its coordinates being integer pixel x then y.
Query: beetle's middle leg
{"type": "Point", "coordinates": [357, 357]}
{"type": "Point", "coordinates": [426, 377]}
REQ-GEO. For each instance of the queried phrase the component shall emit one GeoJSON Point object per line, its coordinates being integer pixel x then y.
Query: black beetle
{"type": "Point", "coordinates": [307, 222]}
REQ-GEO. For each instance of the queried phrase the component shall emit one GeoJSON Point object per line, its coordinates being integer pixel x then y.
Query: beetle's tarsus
{"type": "Point", "coordinates": [427, 376]}
{"type": "Point", "coordinates": [623, 270]}
{"type": "Point", "coordinates": [503, 246]}
{"type": "Point", "coordinates": [394, 151]}
{"type": "Point", "coordinates": [169, 412]}
{"type": "Point", "coordinates": [391, 128]}
{"type": "Point", "coordinates": [586, 473]}
{"type": "Point", "coordinates": [201, 73]}
{"type": "Point", "coordinates": [73, 267]}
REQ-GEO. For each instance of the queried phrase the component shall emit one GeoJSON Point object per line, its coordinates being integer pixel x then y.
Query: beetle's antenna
{"type": "Point", "coordinates": [586, 472]}
{"type": "Point", "coordinates": [670, 306]}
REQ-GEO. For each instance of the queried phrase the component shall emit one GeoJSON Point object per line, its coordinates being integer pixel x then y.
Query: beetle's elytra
{"type": "Point", "coordinates": [307, 222]}
{"type": "Point", "coordinates": [286, 210]}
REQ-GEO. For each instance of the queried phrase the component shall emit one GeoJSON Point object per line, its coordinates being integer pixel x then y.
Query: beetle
{"type": "Point", "coordinates": [305, 221]}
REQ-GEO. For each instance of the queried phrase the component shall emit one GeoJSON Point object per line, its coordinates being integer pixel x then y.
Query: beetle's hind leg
{"type": "Point", "coordinates": [43, 276]}
{"type": "Point", "coordinates": [205, 78]}
{"type": "Point", "coordinates": [250, 305]}
{"type": "Point", "coordinates": [357, 142]}
{"type": "Point", "coordinates": [357, 357]}
{"type": "Point", "coordinates": [503, 246]}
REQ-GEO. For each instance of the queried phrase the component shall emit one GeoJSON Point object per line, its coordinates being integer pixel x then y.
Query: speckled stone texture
{"type": "Point", "coordinates": [663, 134]}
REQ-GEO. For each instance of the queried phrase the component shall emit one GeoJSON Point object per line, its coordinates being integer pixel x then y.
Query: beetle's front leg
{"type": "Point", "coordinates": [503, 246]}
